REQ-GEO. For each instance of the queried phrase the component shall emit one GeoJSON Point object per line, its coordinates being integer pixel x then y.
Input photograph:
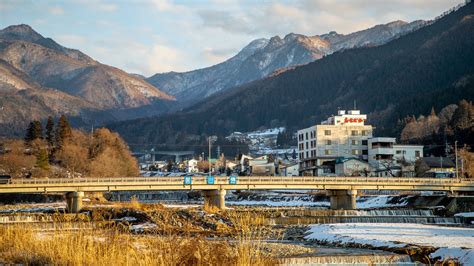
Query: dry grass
{"type": "Point", "coordinates": [92, 244]}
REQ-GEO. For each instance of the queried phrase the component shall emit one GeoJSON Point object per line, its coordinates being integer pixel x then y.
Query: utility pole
{"type": "Point", "coordinates": [456, 156]}
{"type": "Point", "coordinates": [209, 158]}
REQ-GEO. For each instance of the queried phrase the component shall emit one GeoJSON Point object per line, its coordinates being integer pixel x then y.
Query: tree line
{"type": "Point", "coordinates": [57, 150]}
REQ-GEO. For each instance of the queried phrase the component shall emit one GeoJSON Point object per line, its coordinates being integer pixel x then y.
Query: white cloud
{"type": "Point", "coordinates": [71, 40]}
{"type": "Point", "coordinates": [56, 10]}
{"type": "Point", "coordinates": [107, 7]}
{"type": "Point", "coordinates": [163, 59]}
{"type": "Point", "coordinates": [149, 36]}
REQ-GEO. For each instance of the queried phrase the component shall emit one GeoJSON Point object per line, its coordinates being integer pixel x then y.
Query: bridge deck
{"type": "Point", "coordinates": [246, 182]}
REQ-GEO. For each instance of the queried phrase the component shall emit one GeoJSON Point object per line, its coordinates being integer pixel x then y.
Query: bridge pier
{"type": "Point", "coordinates": [214, 198]}
{"type": "Point", "coordinates": [343, 199]}
{"type": "Point", "coordinates": [74, 201]}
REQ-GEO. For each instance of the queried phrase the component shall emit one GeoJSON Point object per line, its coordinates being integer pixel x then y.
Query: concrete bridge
{"type": "Point", "coordinates": [341, 190]}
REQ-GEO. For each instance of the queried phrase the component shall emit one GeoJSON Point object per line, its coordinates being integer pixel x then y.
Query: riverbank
{"type": "Point", "coordinates": [440, 243]}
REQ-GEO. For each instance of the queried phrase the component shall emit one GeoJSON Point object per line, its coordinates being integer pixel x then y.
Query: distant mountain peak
{"type": "Point", "coordinates": [396, 23]}
{"type": "Point", "coordinates": [262, 57]}
{"type": "Point", "coordinates": [20, 32]}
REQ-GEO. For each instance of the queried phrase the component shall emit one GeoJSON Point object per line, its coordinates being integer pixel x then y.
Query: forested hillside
{"type": "Point", "coordinates": [431, 67]}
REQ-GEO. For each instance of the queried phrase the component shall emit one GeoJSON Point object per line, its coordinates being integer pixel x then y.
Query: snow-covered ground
{"type": "Point", "coordinates": [379, 202]}
{"type": "Point", "coordinates": [453, 242]}
{"type": "Point", "coordinates": [285, 200]}
{"type": "Point", "coordinates": [465, 214]}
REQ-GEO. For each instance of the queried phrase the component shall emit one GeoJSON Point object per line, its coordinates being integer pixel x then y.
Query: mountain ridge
{"type": "Point", "coordinates": [263, 57]}
{"type": "Point", "coordinates": [429, 67]}
{"type": "Point", "coordinates": [44, 78]}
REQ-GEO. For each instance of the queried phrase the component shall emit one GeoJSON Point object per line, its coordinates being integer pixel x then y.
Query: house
{"type": "Point", "coordinates": [290, 169]}
{"type": "Point", "coordinates": [351, 167]}
{"type": "Point", "coordinates": [407, 153]}
{"type": "Point", "coordinates": [231, 164]}
{"type": "Point", "coordinates": [267, 169]}
{"type": "Point", "coordinates": [435, 167]}
{"type": "Point", "coordinates": [192, 166]}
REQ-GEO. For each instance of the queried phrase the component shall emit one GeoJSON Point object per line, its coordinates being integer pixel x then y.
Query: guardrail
{"type": "Point", "coordinates": [241, 180]}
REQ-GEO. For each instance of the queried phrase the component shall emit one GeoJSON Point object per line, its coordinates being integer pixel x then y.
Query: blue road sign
{"type": "Point", "coordinates": [210, 180]}
{"type": "Point", "coordinates": [188, 180]}
{"type": "Point", "coordinates": [232, 180]}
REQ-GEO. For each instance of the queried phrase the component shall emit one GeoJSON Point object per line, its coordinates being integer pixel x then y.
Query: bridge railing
{"type": "Point", "coordinates": [241, 180]}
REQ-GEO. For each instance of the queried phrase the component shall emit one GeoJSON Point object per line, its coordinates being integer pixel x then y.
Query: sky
{"type": "Point", "coordinates": [154, 36]}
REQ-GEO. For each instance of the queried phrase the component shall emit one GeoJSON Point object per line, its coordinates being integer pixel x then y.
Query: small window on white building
{"type": "Point", "coordinates": [327, 152]}
{"type": "Point", "coordinates": [354, 133]}
{"type": "Point", "coordinates": [355, 142]}
{"type": "Point", "coordinates": [398, 152]}
{"type": "Point", "coordinates": [364, 132]}
{"type": "Point", "coordinates": [356, 152]}
{"type": "Point", "coordinates": [328, 142]}
{"type": "Point", "coordinates": [327, 132]}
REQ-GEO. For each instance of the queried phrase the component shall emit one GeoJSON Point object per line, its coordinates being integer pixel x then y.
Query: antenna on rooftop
{"type": "Point", "coordinates": [355, 105]}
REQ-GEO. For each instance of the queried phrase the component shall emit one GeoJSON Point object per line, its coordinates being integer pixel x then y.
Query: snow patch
{"type": "Point", "coordinates": [454, 242]}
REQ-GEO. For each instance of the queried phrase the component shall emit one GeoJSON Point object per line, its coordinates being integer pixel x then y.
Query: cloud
{"type": "Point", "coordinates": [100, 5]}
{"type": "Point", "coordinates": [317, 16]}
{"type": "Point", "coordinates": [163, 59]}
{"type": "Point", "coordinates": [71, 40]}
{"type": "Point", "coordinates": [216, 55]}
{"type": "Point", "coordinates": [149, 36]}
{"type": "Point", "coordinates": [107, 7]}
{"type": "Point", "coordinates": [56, 10]}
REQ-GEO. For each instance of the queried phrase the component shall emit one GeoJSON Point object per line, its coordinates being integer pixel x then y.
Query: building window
{"type": "Point", "coordinates": [327, 132]}
{"type": "Point", "coordinates": [417, 154]}
{"type": "Point", "coordinates": [354, 133]}
{"type": "Point", "coordinates": [307, 146]}
{"type": "Point", "coordinates": [365, 152]}
{"type": "Point", "coordinates": [307, 136]}
{"type": "Point", "coordinates": [327, 152]}
{"type": "Point", "coordinates": [399, 152]}
{"type": "Point", "coordinates": [364, 132]}
{"type": "Point", "coordinates": [328, 142]}
{"type": "Point", "coordinates": [307, 154]}
{"type": "Point", "coordinates": [355, 142]}
{"type": "Point", "coordinates": [364, 142]}
{"type": "Point", "coordinates": [355, 152]}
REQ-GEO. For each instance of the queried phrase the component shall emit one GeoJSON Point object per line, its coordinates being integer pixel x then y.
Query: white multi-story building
{"type": "Point", "coordinates": [347, 136]}
{"type": "Point", "coordinates": [407, 153]}
{"type": "Point", "coordinates": [344, 135]}
{"type": "Point", "coordinates": [389, 159]}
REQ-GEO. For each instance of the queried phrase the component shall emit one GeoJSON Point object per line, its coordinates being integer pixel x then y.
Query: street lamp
{"type": "Point", "coordinates": [209, 157]}
{"type": "Point", "coordinates": [456, 156]}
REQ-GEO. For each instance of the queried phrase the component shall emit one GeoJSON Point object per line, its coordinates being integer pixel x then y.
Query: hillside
{"type": "Point", "coordinates": [39, 77]}
{"type": "Point", "coordinates": [431, 67]}
{"type": "Point", "coordinates": [262, 57]}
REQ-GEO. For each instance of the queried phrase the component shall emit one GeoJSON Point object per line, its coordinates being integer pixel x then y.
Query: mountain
{"type": "Point", "coordinates": [262, 57]}
{"type": "Point", "coordinates": [430, 67]}
{"type": "Point", "coordinates": [73, 72]}
{"type": "Point", "coordinates": [60, 80]}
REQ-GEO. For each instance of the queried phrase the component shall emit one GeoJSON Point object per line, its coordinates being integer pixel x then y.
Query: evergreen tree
{"type": "Point", "coordinates": [63, 131]}
{"type": "Point", "coordinates": [42, 160]}
{"type": "Point", "coordinates": [34, 131]}
{"type": "Point", "coordinates": [50, 131]}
